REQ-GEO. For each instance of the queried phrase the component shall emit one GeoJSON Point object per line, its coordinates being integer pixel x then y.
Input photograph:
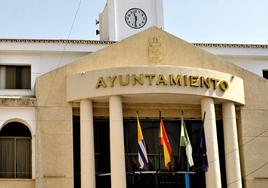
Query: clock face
{"type": "Point", "coordinates": [135, 18]}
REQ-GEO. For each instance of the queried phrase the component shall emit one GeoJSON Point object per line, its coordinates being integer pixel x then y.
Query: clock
{"type": "Point", "coordinates": [135, 18]}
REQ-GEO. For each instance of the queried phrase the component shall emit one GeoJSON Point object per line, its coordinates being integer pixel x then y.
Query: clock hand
{"type": "Point", "coordinates": [136, 19]}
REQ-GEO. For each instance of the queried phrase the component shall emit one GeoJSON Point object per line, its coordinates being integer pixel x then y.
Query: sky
{"type": "Point", "coordinates": [204, 21]}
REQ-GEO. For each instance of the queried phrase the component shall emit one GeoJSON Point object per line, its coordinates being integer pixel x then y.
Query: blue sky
{"type": "Point", "coordinates": [212, 21]}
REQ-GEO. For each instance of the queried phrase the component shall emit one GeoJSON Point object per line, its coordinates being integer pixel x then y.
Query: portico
{"type": "Point", "coordinates": [88, 91]}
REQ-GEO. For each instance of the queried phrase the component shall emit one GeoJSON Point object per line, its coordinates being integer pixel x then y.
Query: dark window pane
{"type": "Point", "coordinates": [76, 152]}
{"type": "Point", "coordinates": [102, 146]}
{"type": "Point", "coordinates": [15, 77]}
{"type": "Point", "coordinates": [15, 129]}
{"type": "Point", "coordinates": [7, 156]}
{"type": "Point", "coordinates": [26, 77]}
{"type": "Point", "coordinates": [10, 77]}
{"type": "Point", "coordinates": [265, 74]}
{"type": "Point", "coordinates": [23, 158]}
{"type": "Point", "coordinates": [102, 152]}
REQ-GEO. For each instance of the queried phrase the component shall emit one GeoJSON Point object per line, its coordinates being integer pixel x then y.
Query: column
{"type": "Point", "coordinates": [87, 144]}
{"type": "Point", "coordinates": [213, 175]}
{"type": "Point", "coordinates": [117, 148]}
{"type": "Point", "coordinates": [232, 160]}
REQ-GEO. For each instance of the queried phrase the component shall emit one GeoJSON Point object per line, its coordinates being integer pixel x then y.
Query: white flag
{"type": "Point", "coordinates": [185, 142]}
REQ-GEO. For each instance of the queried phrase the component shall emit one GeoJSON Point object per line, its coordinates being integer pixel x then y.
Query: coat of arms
{"type": "Point", "coordinates": [155, 51]}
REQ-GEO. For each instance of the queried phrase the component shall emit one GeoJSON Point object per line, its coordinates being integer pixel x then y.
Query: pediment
{"type": "Point", "coordinates": [152, 47]}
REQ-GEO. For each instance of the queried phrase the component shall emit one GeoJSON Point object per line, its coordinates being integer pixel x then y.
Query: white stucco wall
{"type": "Point", "coordinates": [40, 63]}
{"type": "Point", "coordinates": [25, 115]}
{"type": "Point", "coordinates": [252, 59]}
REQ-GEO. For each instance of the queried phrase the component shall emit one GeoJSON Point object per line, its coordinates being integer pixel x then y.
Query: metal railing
{"type": "Point", "coordinates": [145, 179]}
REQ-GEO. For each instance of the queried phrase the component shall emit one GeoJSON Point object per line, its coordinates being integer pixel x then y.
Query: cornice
{"type": "Point", "coordinates": [55, 41]}
{"type": "Point", "coordinates": [217, 45]}
{"type": "Point", "coordinates": [62, 41]}
{"type": "Point", "coordinates": [17, 101]}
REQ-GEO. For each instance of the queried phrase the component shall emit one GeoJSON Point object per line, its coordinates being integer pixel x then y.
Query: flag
{"type": "Point", "coordinates": [185, 142]}
{"type": "Point", "coordinates": [142, 153]}
{"type": "Point", "coordinates": [203, 149]}
{"type": "Point", "coordinates": [165, 143]}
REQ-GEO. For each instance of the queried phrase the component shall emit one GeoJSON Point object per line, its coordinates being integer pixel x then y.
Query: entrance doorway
{"type": "Point", "coordinates": [150, 128]}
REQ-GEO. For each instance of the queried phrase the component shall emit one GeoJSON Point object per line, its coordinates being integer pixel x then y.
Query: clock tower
{"type": "Point", "coordinates": [123, 18]}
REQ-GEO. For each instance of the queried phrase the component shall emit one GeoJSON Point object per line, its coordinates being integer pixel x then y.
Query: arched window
{"type": "Point", "coordinates": [15, 151]}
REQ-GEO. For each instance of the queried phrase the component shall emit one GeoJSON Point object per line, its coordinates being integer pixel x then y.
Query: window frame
{"type": "Point", "coordinates": [18, 81]}
{"type": "Point", "coordinates": [17, 141]}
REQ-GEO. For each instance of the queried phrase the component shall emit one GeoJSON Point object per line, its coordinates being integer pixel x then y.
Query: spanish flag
{"type": "Point", "coordinates": [165, 143]}
{"type": "Point", "coordinates": [142, 153]}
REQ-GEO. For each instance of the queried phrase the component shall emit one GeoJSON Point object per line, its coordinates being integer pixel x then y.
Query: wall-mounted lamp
{"type": "Point", "coordinates": [232, 77]}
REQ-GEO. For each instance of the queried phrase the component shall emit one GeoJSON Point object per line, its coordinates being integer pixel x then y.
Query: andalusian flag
{"type": "Point", "coordinates": [185, 142]}
{"type": "Point", "coordinates": [142, 153]}
{"type": "Point", "coordinates": [165, 143]}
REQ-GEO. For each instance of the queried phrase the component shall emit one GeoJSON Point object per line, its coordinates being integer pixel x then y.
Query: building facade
{"type": "Point", "coordinates": [68, 108]}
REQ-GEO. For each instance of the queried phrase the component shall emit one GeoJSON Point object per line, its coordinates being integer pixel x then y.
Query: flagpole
{"type": "Point", "coordinates": [137, 114]}
{"type": "Point", "coordinates": [139, 176]}
{"type": "Point", "coordinates": [203, 120]}
{"type": "Point", "coordinates": [204, 164]}
{"type": "Point", "coordinates": [159, 161]}
{"type": "Point", "coordinates": [179, 152]}
{"type": "Point", "coordinates": [202, 126]}
{"type": "Point", "coordinates": [142, 152]}
{"type": "Point", "coordinates": [164, 142]}
{"type": "Point", "coordinates": [186, 175]}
